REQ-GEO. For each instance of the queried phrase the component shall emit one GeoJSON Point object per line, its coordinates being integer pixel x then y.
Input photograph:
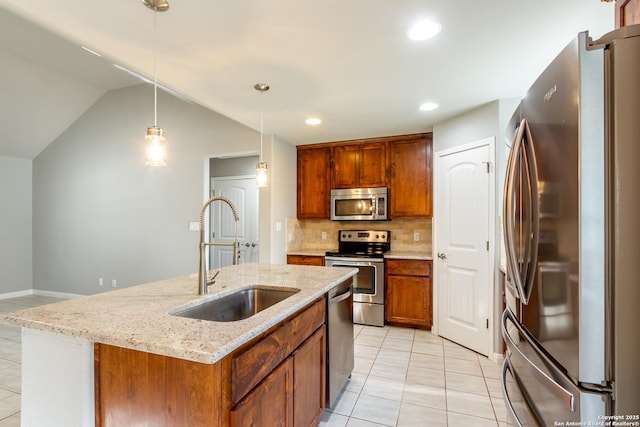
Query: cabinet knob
{"type": "Point", "coordinates": [442, 256]}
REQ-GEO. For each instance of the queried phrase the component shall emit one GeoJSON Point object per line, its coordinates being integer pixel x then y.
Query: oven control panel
{"type": "Point", "coordinates": [364, 236]}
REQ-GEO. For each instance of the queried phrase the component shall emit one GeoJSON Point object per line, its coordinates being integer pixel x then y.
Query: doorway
{"type": "Point", "coordinates": [234, 178]}
{"type": "Point", "coordinates": [463, 244]}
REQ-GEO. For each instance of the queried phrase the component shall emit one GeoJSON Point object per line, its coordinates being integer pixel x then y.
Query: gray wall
{"type": "Point", "coordinates": [15, 225]}
{"type": "Point", "coordinates": [98, 211]}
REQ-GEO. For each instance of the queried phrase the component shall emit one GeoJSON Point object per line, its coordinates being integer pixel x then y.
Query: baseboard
{"type": "Point", "coordinates": [26, 292]}
{"type": "Point", "coordinates": [64, 295]}
{"type": "Point", "coordinates": [16, 294]}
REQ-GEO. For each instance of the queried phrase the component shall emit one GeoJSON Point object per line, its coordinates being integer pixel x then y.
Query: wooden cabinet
{"type": "Point", "coordinates": [277, 379]}
{"type": "Point", "coordinates": [309, 373]}
{"type": "Point", "coordinates": [627, 12]}
{"type": "Point", "coordinates": [305, 260]}
{"type": "Point", "coordinates": [410, 180]}
{"type": "Point", "coordinates": [270, 403]}
{"type": "Point", "coordinates": [408, 293]}
{"type": "Point", "coordinates": [314, 182]}
{"type": "Point", "coordinates": [357, 165]}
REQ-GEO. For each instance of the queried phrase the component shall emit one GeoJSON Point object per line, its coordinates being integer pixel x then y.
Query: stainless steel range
{"type": "Point", "coordinates": [364, 249]}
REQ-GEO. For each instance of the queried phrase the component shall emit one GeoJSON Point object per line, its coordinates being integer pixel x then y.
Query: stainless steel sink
{"type": "Point", "coordinates": [238, 305]}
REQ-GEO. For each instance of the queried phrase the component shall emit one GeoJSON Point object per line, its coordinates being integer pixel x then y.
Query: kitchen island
{"type": "Point", "coordinates": [124, 358]}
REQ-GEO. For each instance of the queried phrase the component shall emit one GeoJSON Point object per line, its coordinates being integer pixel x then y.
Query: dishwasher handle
{"type": "Point", "coordinates": [341, 297]}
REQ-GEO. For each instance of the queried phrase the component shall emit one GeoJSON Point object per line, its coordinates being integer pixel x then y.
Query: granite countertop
{"type": "Point", "coordinates": [138, 317]}
{"type": "Point", "coordinates": [310, 252]}
{"type": "Point", "coordinates": [409, 255]}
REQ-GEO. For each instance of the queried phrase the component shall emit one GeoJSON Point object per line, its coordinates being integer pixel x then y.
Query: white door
{"type": "Point", "coordinates": [463, 240]}
{"type": "Point", "coordinates": [243, 193]}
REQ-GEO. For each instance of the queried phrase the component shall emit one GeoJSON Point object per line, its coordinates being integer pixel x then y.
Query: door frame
{"type": "Point", "coordinates": [493, 255]}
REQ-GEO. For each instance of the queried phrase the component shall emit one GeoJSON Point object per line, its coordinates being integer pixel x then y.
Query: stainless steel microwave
{"type": "Point", "coordinates": [359, 204]}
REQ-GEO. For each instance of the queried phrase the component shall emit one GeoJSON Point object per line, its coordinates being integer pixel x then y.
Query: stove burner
{"type": "Point", "coordinates": [362, 243]}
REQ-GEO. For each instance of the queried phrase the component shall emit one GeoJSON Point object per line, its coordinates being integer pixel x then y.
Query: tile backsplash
{"type": "Point", "coordinates": [308, 234]}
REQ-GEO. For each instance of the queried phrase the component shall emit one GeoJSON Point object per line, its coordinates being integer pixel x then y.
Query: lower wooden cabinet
{"type": "Point", "coordinates": [305, 260]}
{"type": "Point", "coordinates": [273, 402]}
{"type": "Point", "coordinates": [277, 379]}
{"type": "Point", "coordinates": [408, 299]}
{"type": "Point", "coordinates": [270, 403]}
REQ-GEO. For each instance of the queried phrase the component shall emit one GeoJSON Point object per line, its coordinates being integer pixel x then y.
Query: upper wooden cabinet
{"type": "Point", "coordinates": [359, 165]}
{"type": "Point", "coordinates": [314, 182]}
{"type": "Point", "coordinates": [401, 163]}
{"type": "Point", "coordinates": [410, 180]}
{"type": "Point", "coordinates": [627, 12]}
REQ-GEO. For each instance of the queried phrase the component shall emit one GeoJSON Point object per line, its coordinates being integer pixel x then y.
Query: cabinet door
{"type": "Point", "coordinates": [344, 171]}
{"type": "Point", "coordinates": [309, 380]}
{"type": "Point", "coordinates": [411, 175]}
{"type": "Point", "coordinates": [313, 183]}
{"type": "Point", "coordinates": [407, 300]}
{"type": "Point", "coordinates": [270, 404]}
{"type": "Point", "coordinates": [373, 165]}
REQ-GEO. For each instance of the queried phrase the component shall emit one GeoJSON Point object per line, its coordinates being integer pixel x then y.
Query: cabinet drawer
{"type": "Point", "coordinates": [305, 260]}
{"type": "Point", "coordinates": [408, 267]}
{"type": "Point", "coordinates": [249, 367]}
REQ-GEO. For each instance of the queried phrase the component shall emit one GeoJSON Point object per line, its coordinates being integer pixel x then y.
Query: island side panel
{"type": "Point", "coordinates": [138, 388]}
{"type": "Point", "coordinates": [57, 380]}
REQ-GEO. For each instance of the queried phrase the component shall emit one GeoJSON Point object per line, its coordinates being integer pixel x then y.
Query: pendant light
{"type": "Point", "coordinates": [262, 173]}
{"type": "Point", "coordinates": [155, 138]}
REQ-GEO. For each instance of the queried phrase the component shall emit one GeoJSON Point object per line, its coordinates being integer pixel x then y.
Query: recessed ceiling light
{"type": "Point", "coordinates": [429, 106]}
{"type": "Point", "coordinates": [313, 121]}
{"type": "Point", "coordinates": [424, 30]}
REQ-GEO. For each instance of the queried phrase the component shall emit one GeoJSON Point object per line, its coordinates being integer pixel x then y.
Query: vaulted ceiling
{"type": "Point", "coordinates": [346, 62]}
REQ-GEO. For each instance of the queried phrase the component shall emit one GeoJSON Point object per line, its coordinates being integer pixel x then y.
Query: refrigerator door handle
{"type": "Point", "coordinates": [509, 212]}
{"type": "Point", "coordinates": [533, 225]}
{"type": "Point", "coordinates": [506, 367]}
{"type": "Point", "coordinates": [560, 392]}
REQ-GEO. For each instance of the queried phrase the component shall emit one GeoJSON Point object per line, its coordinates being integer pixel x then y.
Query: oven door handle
{"type": "Point", "coordinates": [560, 392]}
{"type": "Point", "coordinates": [353, 264]}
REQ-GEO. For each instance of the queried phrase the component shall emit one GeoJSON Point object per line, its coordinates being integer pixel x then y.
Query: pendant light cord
{"type": "Point", "coordinates": [261, 124]}
{"type": "Point", "coordinates": [155, 65]}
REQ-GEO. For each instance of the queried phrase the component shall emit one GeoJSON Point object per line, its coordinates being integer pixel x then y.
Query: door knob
{"type": "Point", "coordinates": [442, 256]}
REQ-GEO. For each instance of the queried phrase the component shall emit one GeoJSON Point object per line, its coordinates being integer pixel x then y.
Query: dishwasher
{"type": "Point", "coordinates": [339, 339]}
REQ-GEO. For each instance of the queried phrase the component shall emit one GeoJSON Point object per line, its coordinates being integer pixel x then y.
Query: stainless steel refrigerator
{"type": "Point", "coordinates": [571, 223]}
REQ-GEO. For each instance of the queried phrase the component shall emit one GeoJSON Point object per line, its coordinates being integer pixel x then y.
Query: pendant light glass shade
{"type": "Point", "coordinates": [155, 147]}
{"type": "Point", "coordinates": [262, 174]}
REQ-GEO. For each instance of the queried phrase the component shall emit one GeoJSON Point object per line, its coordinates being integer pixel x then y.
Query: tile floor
{"type": "Point", "coordinates": [411, 378]}
{"type": "Point", "coordinates": [402, 378]}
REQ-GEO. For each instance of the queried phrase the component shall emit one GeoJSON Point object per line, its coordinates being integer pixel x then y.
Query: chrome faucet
{"type": "Point", "coordinates": [203, 283]}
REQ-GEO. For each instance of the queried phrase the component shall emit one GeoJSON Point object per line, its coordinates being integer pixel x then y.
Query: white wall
{"type": "Point", "coordinates": [15, 225]}
{"type": "Point", "coordinates": [100, 212]}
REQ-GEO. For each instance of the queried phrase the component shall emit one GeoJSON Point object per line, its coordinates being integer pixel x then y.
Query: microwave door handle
{"type": "Point", "coordinates": [374, 208]}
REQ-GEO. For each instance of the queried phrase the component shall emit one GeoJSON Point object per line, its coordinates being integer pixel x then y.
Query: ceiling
{"type": "Point", "coordinates": [348, 63]}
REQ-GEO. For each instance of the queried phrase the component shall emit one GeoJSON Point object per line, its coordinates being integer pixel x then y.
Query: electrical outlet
{"type": "Point", "coordinates": [194, 226]}
{"type": "Point", "coordinates": [416, 236]}
{"type": "Point", "coordinates": [324, 235]}
{"type": "Point", "coordinates": [278, 226]}
{"type": "Point", "coordinates": [114, 283]}
{"type": "Point", "coordinates": [100, 281]}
